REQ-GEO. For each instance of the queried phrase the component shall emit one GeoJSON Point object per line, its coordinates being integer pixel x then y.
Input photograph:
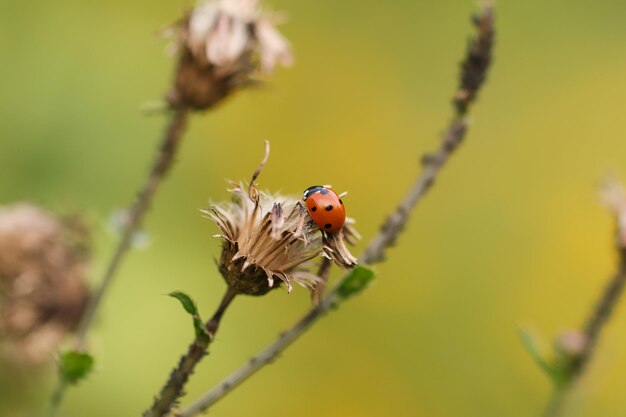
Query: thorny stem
{"type": "Point", "coordinates": [161, 165]}
{"type": "Point", "coordinates": [596, 321]}
{"type": "Point", "coordinates": [474, 68]}
{"type": "Point", "coordinates": [173, 388]}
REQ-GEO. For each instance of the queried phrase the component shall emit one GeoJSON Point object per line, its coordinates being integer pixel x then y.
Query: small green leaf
{"type": "Point", "coordinates": [74, 366]}
{"type": "Point", "coordinates": [190, 307]}
{"type": "Point", "coordinates": [530, 345]}
{"type": "Point", "coordinates": [355, 281]}
{"type": "Point", "coordinates": [188, 304]}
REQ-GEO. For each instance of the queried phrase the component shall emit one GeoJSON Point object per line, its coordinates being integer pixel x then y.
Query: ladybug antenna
{"type": "Point", "coordinates": [327, 186]}
{"type": "Point", "coordinates": [252, 192]}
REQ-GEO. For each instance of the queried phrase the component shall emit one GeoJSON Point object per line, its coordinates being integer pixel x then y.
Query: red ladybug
{"type": "Point", "coordinates": [325, 208]}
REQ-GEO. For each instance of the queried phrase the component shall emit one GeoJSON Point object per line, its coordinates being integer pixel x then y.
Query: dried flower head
{"type": "Point", "coordinates": [270, 239]}
{"type": "Point", "coordinates": [42, 288]}
{"type": "Point", "coordinates": [222, 44]}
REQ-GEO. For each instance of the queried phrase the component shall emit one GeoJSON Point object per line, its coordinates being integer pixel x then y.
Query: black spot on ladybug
{"type": "Point", "coordinates": [340, 202]}
{"type": "Point", "coordinates": [329, 207]}
{"type": "Point", "coordinates": [328, 225]}
{"type": "Point", "coordinates": [323, 191]}
{"type": "Point", "coordinates": [313, 208]}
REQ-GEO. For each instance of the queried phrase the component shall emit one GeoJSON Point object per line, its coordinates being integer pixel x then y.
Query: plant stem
{"type": "Point", "coordinates": [602, 312]}
{"type": "Point", "coordinates": [57, 398]}
{"type": "Point", "coordinates": [160, 167]}
{"type": "Point", "coordinates": [592, 329]}
{"type": "Point", "coordinates": [323, 272]}
{"type": "Point", "coordinates": [473, 74]}
{"type": "Point", "coordinates": [173, 388]}
{"type": "Point", "coordinates": [264, 357]}
{"type": "Point", "coordinates": [396, 221]}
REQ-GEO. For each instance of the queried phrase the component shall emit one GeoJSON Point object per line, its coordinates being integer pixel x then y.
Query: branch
{"type": "Point", "coordinates": [173, 388]}
{"type": "Point", "coordinates": [265, 357]}
{"type": "Point", "coordinates": [474, 68]}
{"type": "Point", "coordinates": [473, 74]}
{"type": "Point", "coordinates": [160, 167]}
{"type": "Point", "coordinates": [615, 198]}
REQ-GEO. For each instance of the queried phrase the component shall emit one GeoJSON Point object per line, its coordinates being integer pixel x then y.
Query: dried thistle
{"type": "Point", "coordinates": [42, 289]}
{"type": "Point", "coordinates": [269, 237]}
{"type": "Point", "coordinates": [221, 45]}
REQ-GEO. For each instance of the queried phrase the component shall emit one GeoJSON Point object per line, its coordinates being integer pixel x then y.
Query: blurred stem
{"type": "Point", "coordinates": [474, 69]}
{"type": "Point", "coordinates": [160, 167]}
{"type": "Point", "coordinates": [594, 325]}
{"type": "Point", "coordinates": [57, 397]}
{"type": "Point", "coordinates": [173, 388]}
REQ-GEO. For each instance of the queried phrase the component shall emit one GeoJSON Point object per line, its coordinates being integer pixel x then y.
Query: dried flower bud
{"type": "Point", "coordinates": [221, 45]}
{"type": "Point", "coordinates": [42, 289]}
{"type": "Point", "coordinates": [269, 237]}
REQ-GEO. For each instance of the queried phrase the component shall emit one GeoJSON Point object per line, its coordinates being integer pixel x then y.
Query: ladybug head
{"type": "Point", "coordinates": [314, 189]}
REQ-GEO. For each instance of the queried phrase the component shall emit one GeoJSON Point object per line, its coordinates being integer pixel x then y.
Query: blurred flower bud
{"type": "Point", "coordinates": [269, 237]}
{"type": "Point", "coordinates": [42, 289]}
{"type": "Point", "coordinates": [570, 343]}
{"type": "Point", "coordinates": [221, 44]}
{"type": "Point", "coordinates": [613, 196]}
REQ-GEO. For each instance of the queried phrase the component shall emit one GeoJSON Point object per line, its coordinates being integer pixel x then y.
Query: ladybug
{"type": "Point", "coordinates": [325, 208]}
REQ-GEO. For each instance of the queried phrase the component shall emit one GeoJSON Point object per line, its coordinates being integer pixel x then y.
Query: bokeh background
{"type": "Point", "coordinates": [511, 235]}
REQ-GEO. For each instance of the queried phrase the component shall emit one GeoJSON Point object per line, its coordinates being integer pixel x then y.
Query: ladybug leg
{"type": "Point", "coordinates": [342, 195]}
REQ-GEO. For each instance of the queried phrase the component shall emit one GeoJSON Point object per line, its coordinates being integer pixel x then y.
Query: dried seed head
{"type": "Point", "coordinates": [42, 288]}
{"type": "Point", "coordinates": [221, 45]}
{"type": "Point", "coordinates": [270, 239]}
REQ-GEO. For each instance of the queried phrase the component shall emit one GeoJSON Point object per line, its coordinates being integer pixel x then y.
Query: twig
{"type": "Point", "coordinates": [479, 51]}
{"type": "Point", "coordinates": [323, 272]}
{"type": "Point", "coordinates": [173, 388]}
{"type": "Point", "coordinates": [265, 357]}
{"type": "Point", "coordinates": [398, 219]}
{"type": "Point", "coordinates": [593, 327]}
{"type": "Point", "coordinates": [473, 74]}
{"type": "Point", "coordinates": [161, 165]}
{"type": "Point", "coordinates": [602, 312]}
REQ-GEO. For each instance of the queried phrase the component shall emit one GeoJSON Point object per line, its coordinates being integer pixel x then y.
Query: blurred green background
{"type": "Point", "coordinates": [511, 235]}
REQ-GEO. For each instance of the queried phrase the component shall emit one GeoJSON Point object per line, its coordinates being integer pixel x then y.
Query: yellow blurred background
{"type": "Point", "coordinates": [510, 236]}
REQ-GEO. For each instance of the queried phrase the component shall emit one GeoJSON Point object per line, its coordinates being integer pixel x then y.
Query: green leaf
{"type": "Point", "coordinates": [355, 281]}
{"type": "Point", "coordinates": [190, 307]}
{"type": "Point", "coordinates": [188, 304]}
{"type": "Point", "coordinates": [529, 343]}
{"type": "Point", "coordinates": [74, 366]}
